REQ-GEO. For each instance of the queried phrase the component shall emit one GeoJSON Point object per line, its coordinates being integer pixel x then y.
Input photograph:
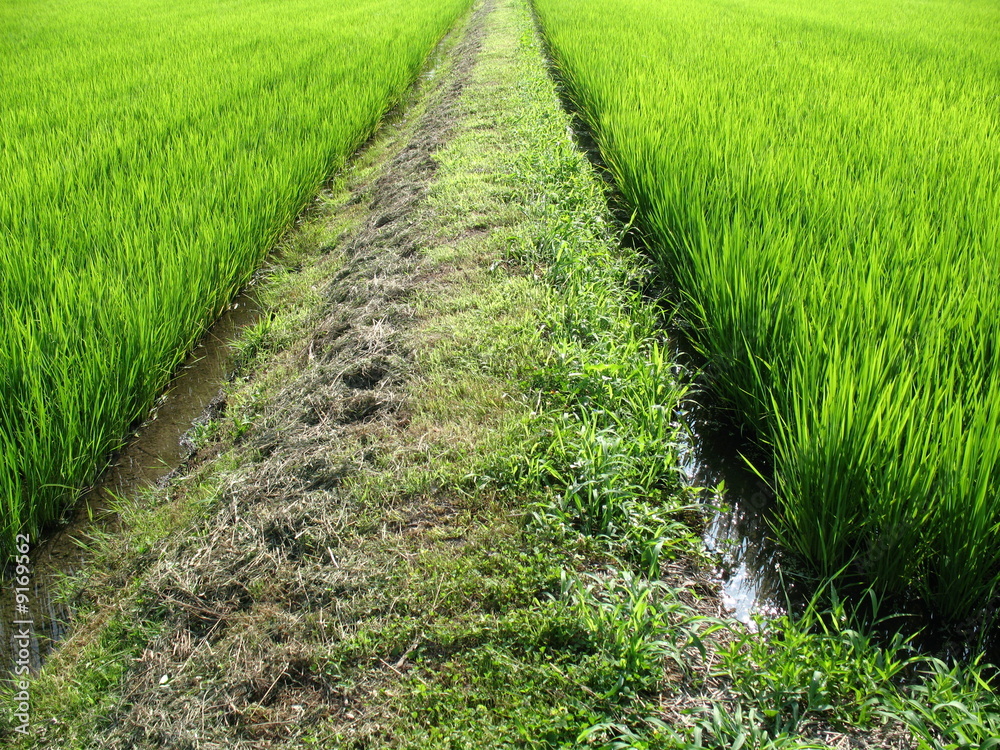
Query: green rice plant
{"type": "Point", "coordinates": [819, 181]}
{"type": "Point", "coordinates": [152, 152]}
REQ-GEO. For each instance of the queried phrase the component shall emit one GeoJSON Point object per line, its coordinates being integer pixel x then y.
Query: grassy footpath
{"type": "Point", "coordinates": [440, 509]}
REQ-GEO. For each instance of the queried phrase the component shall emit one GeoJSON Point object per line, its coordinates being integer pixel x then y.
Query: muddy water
{"type": "Point", "coordinates": [157, 448]}
{"type": "Point", "coordinates": [739, 535]}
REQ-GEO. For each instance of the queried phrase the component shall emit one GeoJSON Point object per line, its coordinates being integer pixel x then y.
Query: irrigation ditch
{"type": "Point", "coordinates": [156, 449]}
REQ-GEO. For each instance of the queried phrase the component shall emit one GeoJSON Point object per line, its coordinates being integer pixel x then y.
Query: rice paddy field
{"type": "Point", "coordinates": [447, 498]}
{"type": "Point", "coordinates": [821, 181]}
{"type": "Point", "coordinates": [150, 154]}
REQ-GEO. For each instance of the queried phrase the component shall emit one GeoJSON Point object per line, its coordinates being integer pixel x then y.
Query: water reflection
{"type": "Point", "coordinates": [718, 454]}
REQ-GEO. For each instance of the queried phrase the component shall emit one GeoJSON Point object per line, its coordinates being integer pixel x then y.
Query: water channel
{"type": "Point", "coordinates": [158, 447]}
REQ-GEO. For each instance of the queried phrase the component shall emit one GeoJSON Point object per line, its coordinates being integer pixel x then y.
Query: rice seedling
{"type": "Point", "coordinates": [151, 154]}
{"type": "Point", "coordinates": [820, 182]}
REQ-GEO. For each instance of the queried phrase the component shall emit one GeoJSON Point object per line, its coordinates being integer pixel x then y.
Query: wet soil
{"type": "Point", "coordinates": [156, 449]}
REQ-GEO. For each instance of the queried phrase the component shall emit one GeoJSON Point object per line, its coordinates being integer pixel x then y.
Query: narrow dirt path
{"type": "Point", "coordinates": [253, 598]}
